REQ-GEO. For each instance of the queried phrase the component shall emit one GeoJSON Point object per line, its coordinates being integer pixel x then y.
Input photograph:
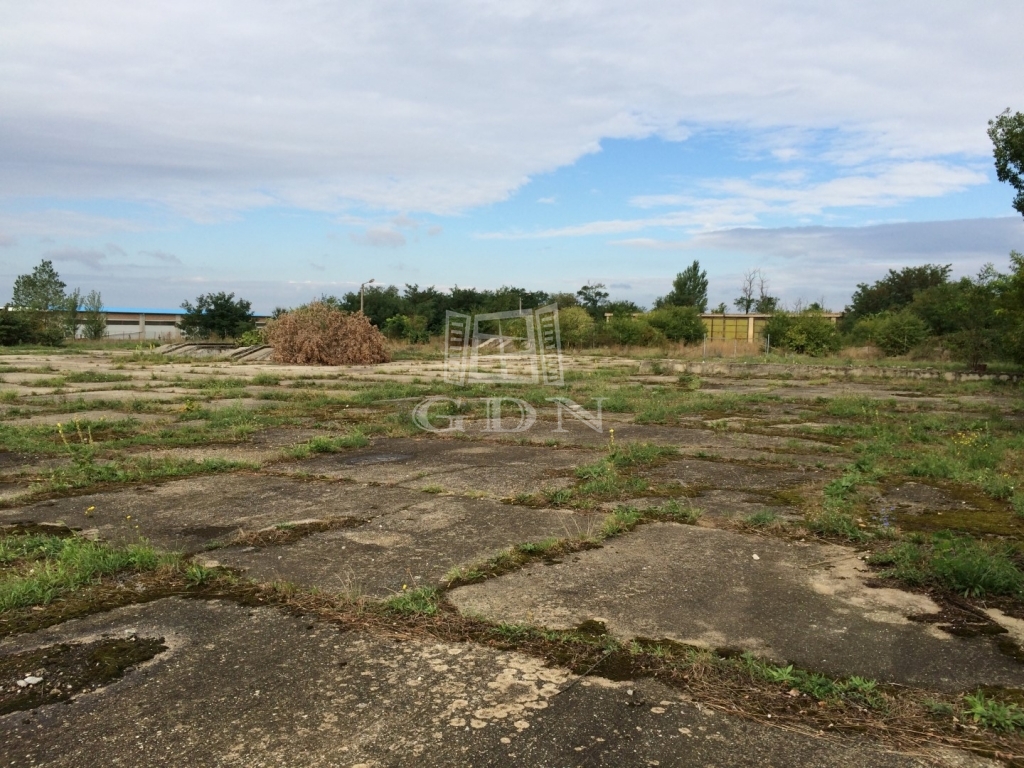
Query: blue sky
{"type": "Point", "coordinates": [284, 150]}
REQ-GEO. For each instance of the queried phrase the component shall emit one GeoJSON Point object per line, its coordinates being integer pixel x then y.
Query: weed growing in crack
{"type": "Point", "coordinates": [329, 444]}
{"type": "Point", "coordinates": [197, 575]}
{"type": "Point", "coordinates": [43, 568]}
{"type": "Point", "coordinates": [764, 518]}
{"type": "Point", "coordinates": [423, 601]}
{"type": "Point", "coordinates": [992, 713]}
{"type": "Point", "coordinates": [958, 563]}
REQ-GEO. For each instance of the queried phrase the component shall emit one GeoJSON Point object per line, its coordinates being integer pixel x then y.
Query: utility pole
{"type": "Point", "coordinates": [361, 294]}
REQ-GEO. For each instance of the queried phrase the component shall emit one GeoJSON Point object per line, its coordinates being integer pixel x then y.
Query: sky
{"type": "Point", "coordinates": [283, 150]}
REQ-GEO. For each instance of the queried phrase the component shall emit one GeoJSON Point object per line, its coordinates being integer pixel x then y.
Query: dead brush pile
{"type": "Point", "coordinates": [318, 334]}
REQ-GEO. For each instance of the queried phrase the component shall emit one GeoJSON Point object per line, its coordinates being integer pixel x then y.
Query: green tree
{"type": "Point", "coordinates": [15, 326]}
{"type": "Point", "coordinates": [1012, 308]}
{"type": "Point", "coordinates": [894, 291]}
{"type": "Point", "coordinates": [593, 298]}
{"type": "Point", "coordinates": [94, 321]}
{"type": "Point", "coordinates": [1007, 134]}
{"type": "Point", "coordinates": [216, 314]}
{"type": "Point", "coordinates": [70, 313]}
{"type": "Point", "coordinates": [678, 323]}
{"type": "Point", "coordinates": [689, 289]}
{"type": "Point", "coordinates": [806, 333]}
{"type": "Point", "coordinates": [40, 294]}
{"type": "Point", "coordinates": [896, 333]}
{"type": "Point", "coordinates": [576, 327]}
{"type": "Point", "coordinates": [41, 289]}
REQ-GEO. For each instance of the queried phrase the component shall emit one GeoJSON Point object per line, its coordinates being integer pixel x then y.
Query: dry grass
{"type": "Point", "coordinates": [318, 334]}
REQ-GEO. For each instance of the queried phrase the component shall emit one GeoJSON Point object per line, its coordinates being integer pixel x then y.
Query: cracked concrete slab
{"type": "Point", "coordinates": [462, 466]}
{"type": "Point", "coordinates": [254, 687]}
{"type": "Point", "coordinates": [415, 546]}
{"type": "Point", "coordinates": [192, 513]}
{"type": "Point", "coordinates": [802, 603]}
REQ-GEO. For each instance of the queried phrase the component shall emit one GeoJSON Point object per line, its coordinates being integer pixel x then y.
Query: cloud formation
{"type": "Point", "coordinates": [811, 262]}
{"type": "Point", "coordinates": [162, 256]}
{"type": "Point", "coordinates": [379, 237]}
{"type": "Point", "coordinates": [456, 104]}
{"type": "Point", "coordinates": [90, 258]}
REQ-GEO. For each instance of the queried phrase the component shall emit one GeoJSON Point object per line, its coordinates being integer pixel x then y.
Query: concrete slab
{"type": "Point", "coordinates": [499, 470]}
{"type": "Point", "coordinates": [257, 688]}
{"type": "Point", "coordinates": [414, 546]}
{"type": "Point", "coordinates": [800, 603]}
{"type": "Point", "coordinates": [190, 514]}
{"type": "Point", "coordinates": [68, 419]}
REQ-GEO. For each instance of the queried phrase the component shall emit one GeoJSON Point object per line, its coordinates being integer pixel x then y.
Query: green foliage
{"type": "Point", "coordinates": [1011, 309]}
{"type": "Point", "coordinates": [576, 327]}
{"type": "Point", "coordinates": [894, 291]}
{"type": "Point", "coordinates": [676, 512]}
{"type": "Point", "coordinates": [216, 315]}
{"type": "Point", "coordinates": [40, 296]}
{"type": "Point", "coordinates": [252, 338]}
{"type": "Point", "coordinates": [860, 690]}
{"type": "Point", "coordinates": [807, 333]}
{"type": "Point", "coordinates": [1007, 133]}
{"type": "Point", "coordinates": [992, 713]}
{"type": "Point", "coordinates": [197, 575]}
{"type": "Point", "coordinates": [60, 565]}
{"type": "Point", "coordinates": [896, 333]}
{"type": "Point", "coordinates": [631, 331]}
{"type": "Point", "coordinates": [94, 321]}
{"type": "Point", "coordinates": [761, 519]}
{"type": "Point", "coordinates": [424, 601]}
{"type": "Point", "coordinates": [42, 289]}
{"type": "Point", "coordinates": [689, 289]}
{"type": "Point", "coordinates": [678, 323]}
{"type": "Point", "coordinates": [833, 521]}
{"type": "Point", "coordinates": [958, 563]}
{"type": "Point", "coordinates": [15, 326]}
{"type": "Point", "coordinates": [593, 298]}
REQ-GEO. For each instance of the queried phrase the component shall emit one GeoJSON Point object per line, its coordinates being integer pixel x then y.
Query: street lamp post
{"type": "Point", "coordinates": [361, 294]}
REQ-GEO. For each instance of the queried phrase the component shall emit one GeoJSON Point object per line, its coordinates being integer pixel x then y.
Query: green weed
{"type": "Point", "coordinates": [423, 600]}
{"type": "Point", "coordinates": [46, 567]}
{"type": "Point", "coordinates": [992, 713]}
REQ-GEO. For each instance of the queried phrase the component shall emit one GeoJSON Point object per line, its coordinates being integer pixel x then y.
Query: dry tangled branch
{"type": "Point", "coordinates": [318, 334]}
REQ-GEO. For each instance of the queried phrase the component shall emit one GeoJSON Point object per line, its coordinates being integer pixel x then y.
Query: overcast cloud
{"type": "Point", "coordinates": [439, 107]}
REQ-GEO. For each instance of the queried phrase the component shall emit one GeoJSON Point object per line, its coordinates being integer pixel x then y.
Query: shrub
{"type": "Point", "coordinates": [809, 333]}
{"type": "Point", "coordinates": [251, 338]}
{"type": "Point", "coordinates": [318, 334]}
{"type": "Point", "coordinates": [896, 333]}
{"type": "Point", "coordinates": [776, 328]}
{"type": "Point", "coordinates": [678, 323]}
{"type": "Point", "coordinates": [633, 331]}
{"type": "Point", "coordinates": [576, 326]}
{"type": "Point", "coordinates": [216, 314]}
{"type": "Point", "coordinates": [15, 327]}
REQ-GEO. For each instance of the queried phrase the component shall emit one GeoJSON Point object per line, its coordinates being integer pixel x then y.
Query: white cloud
{"type": "Point", "coordinates": [546, 200]}
{"type": "Point", "coordinates": [162, 256]}
{"type": "Point", "coordinates": [7, 241]}
{"type": "Point", "coordinates": [810, 262]}
{"type": "Point", "coordinates": [211, 108]}
{"type": "Point", "coordinates": [90, 258]}
{"type": "Point", "coordinates": [720, 203]}
{"type": "Point", "coordinates": [379, 237]}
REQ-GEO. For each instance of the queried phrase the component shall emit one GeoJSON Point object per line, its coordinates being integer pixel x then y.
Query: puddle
{"type": "Point", "coordinates": [60, 672]}
{"type": "Point", "coordinates": [377, 458]}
